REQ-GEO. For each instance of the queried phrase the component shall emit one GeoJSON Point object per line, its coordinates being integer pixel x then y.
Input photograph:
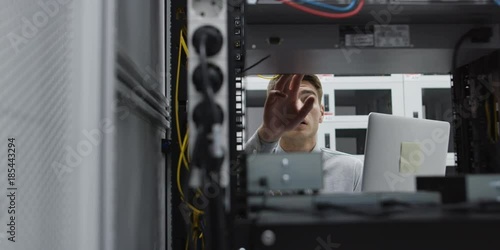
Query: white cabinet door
{"type": "Point", "coordinates": [347, 137]}
{"type": "Point", "coordinates": [349, 101]}
{"type": "Point", "coordinates": [353, 98]}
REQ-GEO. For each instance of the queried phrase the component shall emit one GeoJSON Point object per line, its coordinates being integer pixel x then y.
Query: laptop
{"type": "Point", "coordinates": [399, 148]}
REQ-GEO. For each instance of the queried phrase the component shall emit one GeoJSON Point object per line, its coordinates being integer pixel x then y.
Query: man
{"type": "Point", "coordinates": [292, 114]}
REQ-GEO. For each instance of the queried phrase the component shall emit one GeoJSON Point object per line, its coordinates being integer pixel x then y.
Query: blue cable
{"type": "Point", "coordinates": [497, 2]}
{"type": "Point", "coordinates": [337, 8]}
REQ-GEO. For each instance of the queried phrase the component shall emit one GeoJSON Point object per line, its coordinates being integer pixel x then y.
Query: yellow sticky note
{"type": "Point", "coordinates": [411, 158]}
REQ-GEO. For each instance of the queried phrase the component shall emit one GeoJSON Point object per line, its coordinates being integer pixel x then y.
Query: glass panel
{"type": "Point", "coordinates": [362, 102]}
{"type": "Point", "coordinates": [436, 105]}
{"type": "Point", "coordinates": [351, 141]}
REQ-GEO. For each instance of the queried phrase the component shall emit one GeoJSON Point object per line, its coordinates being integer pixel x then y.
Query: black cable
{"type": "Point", "coordinates": [480, 35]}
{"type": "Point", "coordinates": [456, 49]}
{"type": "Point", "coordinates": [257, 63]}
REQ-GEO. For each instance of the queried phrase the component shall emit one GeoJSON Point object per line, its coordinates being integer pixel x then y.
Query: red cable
{"type": "Point", "coordinates": [322, 13]}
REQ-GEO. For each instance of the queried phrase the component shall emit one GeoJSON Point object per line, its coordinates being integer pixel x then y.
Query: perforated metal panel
{"type": "Point", "coordinates": [36, 110]}
{"type": "Point", "coordinates": [57, 99]}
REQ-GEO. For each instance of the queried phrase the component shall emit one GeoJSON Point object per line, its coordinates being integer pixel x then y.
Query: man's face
{"type": "Point", "coordinates": [309, 126]}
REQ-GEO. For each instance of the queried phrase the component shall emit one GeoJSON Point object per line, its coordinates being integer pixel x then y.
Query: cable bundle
{"type": "Point", "coordinates": [349, 10]}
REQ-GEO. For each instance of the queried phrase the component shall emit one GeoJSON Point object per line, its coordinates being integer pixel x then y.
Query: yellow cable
{"type": "Point", "coordinates": [183, 144]}
{"type": "Point", "coordinates": [495, 115]}
{"type": "Point", "coordinates": [202, 241]}
{"type": "Point", "coordinates": [195, 241]}
{"type": "Point", "coordinates": [268, 78]}
{"type": "Point", "coordinates": [179, 180]}
{"type": "Point", "coordinates": [182, 46]}
{"type": "Point", "coordinates": [196, 218]}
{"type": "Point", "coordinates": [187, 153]}
{"type": "Point", "coordinates": [186, 51]}
{"type": "Point", "coordinates": [176, 101]}
{"type": "Point", "coordinates": [179, 170]}
{"type": "Point", "coordinates": [488, 120]}
{"type": "Point", "coordinates": [195, 209]}
{"type": "Point", "coordinates": [183, 149]}
{"type": "Point", "coordinates": [176, 107]}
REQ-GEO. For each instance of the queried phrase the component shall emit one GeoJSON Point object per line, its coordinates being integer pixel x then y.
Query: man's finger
{"type": "Point", "coordinates": [294, 86]}
{"type": "Point", "coordinates": [308, 105]}
{"type": "Point", "coordinates": [277, 93]}
{"type": "Point", "coordinates": [282, 83]}
{"type": "Point", "coordinates": [273, 96]}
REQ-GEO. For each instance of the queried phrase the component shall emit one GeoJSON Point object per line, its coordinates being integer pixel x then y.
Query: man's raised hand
{"type": "Point", "coordinates": [283, 111]}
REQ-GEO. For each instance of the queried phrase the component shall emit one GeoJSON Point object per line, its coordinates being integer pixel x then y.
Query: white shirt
{"type": "Point", "coordinates": [341, 172]}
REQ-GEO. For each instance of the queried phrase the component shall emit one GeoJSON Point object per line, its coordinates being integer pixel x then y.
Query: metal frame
{"type": "Point", "coordinates": [430, 52]}
{"type": "Point", "coordinates": [475, 152]}
{"type": "Point", "coordinates": [177, 13]}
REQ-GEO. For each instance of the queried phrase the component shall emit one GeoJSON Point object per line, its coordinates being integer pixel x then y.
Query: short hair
{"type": "Point", "coordinates": [313, 79]}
